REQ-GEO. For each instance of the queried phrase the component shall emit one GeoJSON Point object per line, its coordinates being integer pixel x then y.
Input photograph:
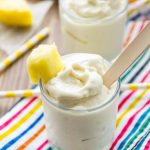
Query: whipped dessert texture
{"type": "Point", "coordinates": [94, 8]}
{"type": "Point", "coordinates": [80, 83]}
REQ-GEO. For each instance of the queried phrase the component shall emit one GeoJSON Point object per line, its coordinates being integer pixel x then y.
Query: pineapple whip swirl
{"type": "Point", "coordinates": [94, 8]}
{"type": "Point", "coordinates": [80, 83]}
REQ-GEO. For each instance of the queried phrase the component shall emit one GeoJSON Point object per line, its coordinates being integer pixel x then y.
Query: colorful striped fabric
{"type": "Point", "coordinates": [23, 126]}
{"type": "Point", "coordinates": [139, 9]}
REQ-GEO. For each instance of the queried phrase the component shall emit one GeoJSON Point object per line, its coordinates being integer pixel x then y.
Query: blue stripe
{"type": "Point", "coordinates": [49, 148]}
{"type": "Point", "coordinates": [136, 126]}
{"type": "Point", "coordinates": [139, 70]}
{"type": "Point", "coordinates": [10, 143]}
{"type": "Point", "coordinates": [139, 145]}
{"type": "Point", "coordinates": [138, 15]}
{"type": "Point", "coordinates": [135, 17]}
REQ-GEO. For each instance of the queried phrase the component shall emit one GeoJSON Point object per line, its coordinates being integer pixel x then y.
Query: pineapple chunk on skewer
{"type": "Point", "coordinates": [44, 63]}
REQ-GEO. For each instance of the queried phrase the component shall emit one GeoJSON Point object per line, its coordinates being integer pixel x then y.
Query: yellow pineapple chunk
{"type": "Point", "coordinates": [15, 13]}
{"type": "Point", "coordinates": [44, 63]}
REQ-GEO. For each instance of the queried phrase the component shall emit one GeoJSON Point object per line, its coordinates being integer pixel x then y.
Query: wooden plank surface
{"type": "Point", "coordinates": [15, 77]}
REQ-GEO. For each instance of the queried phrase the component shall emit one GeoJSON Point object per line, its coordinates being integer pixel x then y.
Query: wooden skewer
{"type": "Point", "coordinates": [128, 56]}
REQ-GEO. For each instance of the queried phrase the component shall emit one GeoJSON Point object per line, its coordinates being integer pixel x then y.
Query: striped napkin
{"type": "Point", "coordinates": [139, 9]}
{"type": "Point", "coordinates": [23, 126]}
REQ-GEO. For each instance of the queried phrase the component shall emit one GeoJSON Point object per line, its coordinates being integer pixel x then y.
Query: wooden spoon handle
{"type": "Point", "coordinates": [128, 56]}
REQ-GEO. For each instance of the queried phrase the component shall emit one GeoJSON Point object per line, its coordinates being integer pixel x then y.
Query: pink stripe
{"type": "Point", "coordinates": [146, 76]}
{"type": "Point", "coordinates": [130, 121]}
{"type": "Point", "coordinates": [131, 93]}
{"type": "Point", "coordinates": [6, 123]}
{"type": "Point", "coordinates": [42, 145]}
{"type": "Point", "coordinates": [125, 100]}
{"type": "Point", "coordinates": [147, 146]}
{"type": "Point", "coordinates": [142, 26]}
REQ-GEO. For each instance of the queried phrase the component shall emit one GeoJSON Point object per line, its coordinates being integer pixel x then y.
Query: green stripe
{"type": "Point", "coordinates": [133, 66]}
{"type": "Point", "coordinates": [144, 126]}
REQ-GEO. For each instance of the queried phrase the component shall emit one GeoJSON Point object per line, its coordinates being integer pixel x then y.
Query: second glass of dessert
{"type": "Point", "coordinates": [93, 26]}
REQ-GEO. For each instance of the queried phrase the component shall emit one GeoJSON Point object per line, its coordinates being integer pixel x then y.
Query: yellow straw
{"type": "Point", "coordinates": [20, 93]}
{"type": "Point", "coordinates": [26, 47]}
{"type": "Point", "coordinates": [134, 87]}
{"type": "Point", "coordinates": [36, 92]}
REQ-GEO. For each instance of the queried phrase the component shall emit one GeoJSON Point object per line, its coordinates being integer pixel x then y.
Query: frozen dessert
{"type": "Point", "coordinates": [94, 8]}
{"type": "Point", "coordinates": [80, 83]}
{"type": "Point", "coordinates": [80, 111]}
{"type": "Point", "coordinates": [93, 26]}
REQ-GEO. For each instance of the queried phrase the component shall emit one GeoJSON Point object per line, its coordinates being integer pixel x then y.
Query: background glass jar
{"type": "Point", "coordinates": [99, 36]}
{"type": "Point", "coordinates": [80, 129]}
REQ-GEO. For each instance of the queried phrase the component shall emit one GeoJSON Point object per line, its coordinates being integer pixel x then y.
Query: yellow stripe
{"type": "Point", "coordinates": [131, 106]}
{"type": "Point", "coordinates": [21, 122]}
{"type": "Point", "coordinates": [148, 86]}
{"type": "Point", "coordinates": [29, 45]}
{"type": "Point", "coordinates": [147, 2]}
{"type": "Point", "coordinates": [7, 62]}
{"type": "Point", "coordinates": [132, 1]}
{"type": "Point", "coordinates": [10, 94]}
{"type": "Point", "coordinates": [133, 87]}
{"type": "Point", "coordinates": [18, 53]}
{"type": "Point", "coordinates": [28, 93]}
{"type": "Point", "coordinates": [40, 36]}
{"type": "Point", "coordinates": [132, 11]}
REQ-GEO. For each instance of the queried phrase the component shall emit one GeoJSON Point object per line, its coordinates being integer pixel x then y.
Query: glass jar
{"type": "Point", "coordinates": [100, 36]}
{"type": "Point", "coordinates": [80, 129]}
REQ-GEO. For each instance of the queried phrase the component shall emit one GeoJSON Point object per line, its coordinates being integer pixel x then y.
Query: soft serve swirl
{"type": "Point", "coordinates": [94, 8]}
{"type": "Point", "coordinates": [80, 83]}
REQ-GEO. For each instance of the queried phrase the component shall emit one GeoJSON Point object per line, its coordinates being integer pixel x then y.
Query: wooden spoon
{"type": "Point", "coordinates": [128, 56]}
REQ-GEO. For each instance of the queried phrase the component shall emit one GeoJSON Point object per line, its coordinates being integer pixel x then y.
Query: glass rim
{"type": "Point", "coordinates": [82, 20]}
{"type": "Point", "coordinates": [45, 95]}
